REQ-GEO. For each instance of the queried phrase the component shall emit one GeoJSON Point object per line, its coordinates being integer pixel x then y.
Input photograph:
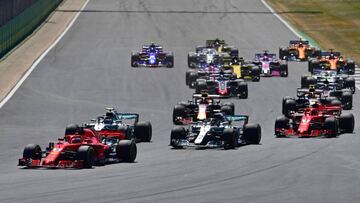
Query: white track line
{"type": "Point", "coordinates": [357, 71]}
{"type": "Point", "coordinates": [37, 61]}
{"type": "Point", "coordinates": [281, 19]}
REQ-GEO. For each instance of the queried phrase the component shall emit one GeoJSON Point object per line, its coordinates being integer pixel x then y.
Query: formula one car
{"type": "Point", "coordinates": [122, 125]}
{"type": "Point", "coordinates": [244, 70]}
{"type": "Point", "coordinates": [217, 132]}
{"type": "Point", "coordinates": [201, 107]}
{"type": "Point", "coordinates": [192, 75]}
{"type": "Point", "coordinates": [307, 97]}
{"type": "Point", "coordinates": [80, 148]}
{"type": "Point", "coordinates": [315, 121]}
{"type": "Point", "coordinates": [221, 47]}
{"type": "Point", "coordinates": [332, 61]}
{"type": "Point", "coordinates": [270, 65]}
{"type": "Point", "coordinates": [343, 81]}
{"type": "Point", "coordinates": [152, 56]}
{"type": "Point", "coordinates": [223, 86]}
{"type": "Point", "coordinates": [298, 50]}
{"type": "Point", "coordinates": [204, 56]}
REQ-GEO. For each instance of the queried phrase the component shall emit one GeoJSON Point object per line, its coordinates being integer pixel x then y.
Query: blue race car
{"type": "Point", "coordinates": [152, 56]}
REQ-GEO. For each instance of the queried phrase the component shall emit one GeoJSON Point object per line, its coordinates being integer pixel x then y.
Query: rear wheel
{"type": "Point", "coordinates": [303, 81]}
{"type": "Point", "coordinates": [283, 53]}
{"type": "Point", "coordinates": [347, 100]}
{"type": "Point", "coordinates": [284, 70]}
{"type": "Point", "coordinates": [192, 79]}
{"type": "Point", "coordinates": [126, 150]}
{"type": "Point", "coordinates": [87, 155]}
{"type": "Point", "coordinates": [200, 86]}
{"type": "Point", "coordinates": [243, 90]}
{"type": "Point", "coordinates": [143, 131]}
{"type": "Point", "coordinates": [71, 129]}
{"type": "Point", "coordinates": [179, 111]}
{"type": "Point", "coordinates": [252, 133]}
{"type": "Point", "coordinates": [255, 73]}
{"type": "Point", "coordinates": [350, 66]}
{"type": "Point", "coordinates": [228, 108]}
{"type": "Point", "coordinates": [350, 83]}
{"type": "Point", "coordinates": [288, 106]}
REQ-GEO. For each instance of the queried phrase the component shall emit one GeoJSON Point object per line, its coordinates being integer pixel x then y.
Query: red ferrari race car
{"type": "Point", "coordinates": [80, 148]}
{"type": "Point", "coordinates": [315, 121]}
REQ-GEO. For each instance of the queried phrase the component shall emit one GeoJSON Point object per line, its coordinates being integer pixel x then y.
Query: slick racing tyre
{"type": "Point", "coordinates": [347, 123]}
{"type": "Point", "coordinates": [331, 125]}
{"type": "Point", "coordinates": [252, 133]}
{"type": "Point", "coordinates": [178, 111]}
{"type": "Point", "coordinates": [87, 155]}
{"type": "Point", "coordinates": [126, 151]}
{"type": "Point", "coordinates": [255, 73]}
{"type": "Point", "coordinates": [134, 60]}
{"type": "Point", "coordinates": [170, 61]}
{"type": "Point", "coordinates": [71, 129]}
{"type": "Point", "coordinates": [177, 133]}
{"type": "Point", "coordinates": [228, 108]}
{"type": "Point", "coordinates": [230, 138]}
{"type": "Point", "coordinates": [284, 70]}
{"type": "Point", "coordinates": [32, 151]}
{"type": "Point", "coordinates": [243, 90]}
{"type": "Point", "coordinates": [143, 131]}
{"type": "Point", "coordinates": [347, 100]}
{"type": "Point", "coordinates": [288, 106]}
{"type": "Point", "coordinates": [281, 122]}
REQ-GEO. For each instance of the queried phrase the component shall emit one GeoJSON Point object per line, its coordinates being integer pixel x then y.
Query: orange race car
{"type": "Point", "coordinates": [298, 50]}
{"type": "Point", "coordinates": [332, 60]}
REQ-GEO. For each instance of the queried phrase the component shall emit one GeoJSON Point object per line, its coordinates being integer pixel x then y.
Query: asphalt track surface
{"type": "Point", "coordinates": [90, 70]}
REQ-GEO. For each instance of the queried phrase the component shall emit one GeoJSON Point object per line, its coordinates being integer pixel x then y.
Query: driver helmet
{"type": "Point", "coordinates": [152, 47]}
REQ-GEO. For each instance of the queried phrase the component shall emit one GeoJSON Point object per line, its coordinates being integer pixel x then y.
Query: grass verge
{"type": "Point", "coordinates": [331, 23]}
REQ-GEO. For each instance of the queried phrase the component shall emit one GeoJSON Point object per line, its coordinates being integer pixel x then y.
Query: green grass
{"type": "Point", "coordinates": [331, 23]}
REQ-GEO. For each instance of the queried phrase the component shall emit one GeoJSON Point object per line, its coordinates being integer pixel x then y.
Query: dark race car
{"type": "Point", "coordinates": [298, 50]}
{"type": "Point", "coordinates": [343, 81]}
{"type": "Point", "coordinates": [222, 47]}
{"type": "Point", "coordinates": [210, 69]}
{"type": "Point", "coordinates": [223, 85]}
{"type": "Point", "coordinates": [270, 65]}
{"type": "Point", "coordinates": [152, 56]}
{"type": "Point", "coordinates": [315, 121]}
{"type": "Point", "coordinates": [217, 132]}
{"type": "Point", "coordinates": [332, 61]}
{"type": "Point", "coordinates": [122, 125]}
{"type": "Point", "coordinates": [201, 107]}
{"type": "Point", "coordinates": [307, 97]}
{"type": "Point", "coordinates": [80, 148]}
{"type": "Point", "coordinates": [205, 56]}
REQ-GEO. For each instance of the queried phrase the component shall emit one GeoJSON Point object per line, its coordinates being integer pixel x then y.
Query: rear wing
{"type": "Point", "coordinates": [260, 55]}
{"type": "Point", "coordinates": [301, 92]}
{"type": "Point", "coordinates": [205, 95]}
{"type": "Point", "coordinates": [128, 116]}
{"type": "Point", "coordinates": [210, 43]}
{"type": "Point", "coordinates": [157, 47]}
{"type": "Point", "coordinates": [293, 42]}
{"type": "Point", "coordinates": [328, 53]}
{"type": "Point", "coordinates": [244, 118]}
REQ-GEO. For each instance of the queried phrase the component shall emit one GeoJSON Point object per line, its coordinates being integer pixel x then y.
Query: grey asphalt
{"type": "Point", "coordinates": [89, 70]}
